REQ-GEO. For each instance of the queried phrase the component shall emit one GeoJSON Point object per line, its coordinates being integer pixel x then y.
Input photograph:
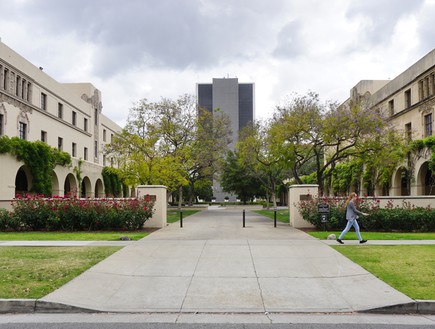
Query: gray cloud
{"type": "Point", "coordinates": [166, 33]}
{"type": "Point", "coordinates": [380, 18]}
{"type": "Point", "coordinates": [290, 41]}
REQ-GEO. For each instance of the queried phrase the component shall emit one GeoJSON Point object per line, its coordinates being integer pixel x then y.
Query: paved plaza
{"type": "Point", "coordinates": [214, 265]}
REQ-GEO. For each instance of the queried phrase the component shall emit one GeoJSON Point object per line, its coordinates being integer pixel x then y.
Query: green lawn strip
{"type": "Point", "coordinates": [409, 269]}
{"type": "Point", "coordinates": [322, 235]}
{"type": "Point", "coordinates": [33, 272]}
{"type": "Point", "coordinates": [71, 236]}
{"type": "Point", "coordinates": [173, 215]}
{"type": "Point", "coordinates": [281, 215]}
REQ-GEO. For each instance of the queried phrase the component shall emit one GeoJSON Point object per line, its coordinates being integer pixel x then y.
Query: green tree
{"type": "Point", "coordinates": [307, 130]}
{"type": "Point", "coordinates": [237, 178]}
{"type": "Point", "coordinates": [168, 143]}
{"type": "Point", "coordinates": [255, 148]}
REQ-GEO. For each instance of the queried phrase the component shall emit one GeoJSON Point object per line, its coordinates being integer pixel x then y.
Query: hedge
{"type": "Point", "coordinates": [407, 218]}
{"type": "Point", "coordinates": [36, 213]}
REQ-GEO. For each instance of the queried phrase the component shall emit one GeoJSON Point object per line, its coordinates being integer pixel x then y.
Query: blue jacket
{"type": "Point", "coordinates": [351, 211]}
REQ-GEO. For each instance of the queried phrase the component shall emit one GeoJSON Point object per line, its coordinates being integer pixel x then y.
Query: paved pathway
{"type": "Point", "coordinates": [213, 264]}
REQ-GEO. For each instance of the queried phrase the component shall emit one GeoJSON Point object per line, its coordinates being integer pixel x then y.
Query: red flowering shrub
{"type": "Point", "coordinates": [405, 218]}
{"type": "Point", "coordinates": [34, 212]}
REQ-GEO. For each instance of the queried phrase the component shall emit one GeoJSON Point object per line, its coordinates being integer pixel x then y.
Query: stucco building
{"type": "Point", "coordinates": [408, 101]}
{"type": "Point", "coordinates": [66, 116]}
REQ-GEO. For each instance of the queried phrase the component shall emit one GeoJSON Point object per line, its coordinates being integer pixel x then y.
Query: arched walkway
{"type": "Point", "coordinates": [86, 188]}
{"type": "Point", "coordinates": [401, 182]}
{"type": "Point", "coordinates": [99, 189]}
{"type": "Point", "coordinates": [22, 180]}
{"type": "Point", "coordinates": [54, 185]}
{"type": "Point", "coordinates": [70, 186]}
{"type": "Point", "coordinates": [425, 180]}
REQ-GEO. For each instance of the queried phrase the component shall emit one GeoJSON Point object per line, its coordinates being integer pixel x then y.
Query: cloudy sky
{"type": "Point", "coordinates": [135, 49]}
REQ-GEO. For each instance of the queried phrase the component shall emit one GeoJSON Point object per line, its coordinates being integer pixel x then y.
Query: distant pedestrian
{"type": "Point", "coordinates": [351, 217]}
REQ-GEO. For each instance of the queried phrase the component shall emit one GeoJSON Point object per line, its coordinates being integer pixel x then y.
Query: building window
{"type": "Point", "coordinates": [85, 153]}
{"type": "Point", "coordinates": [22, 130]}
{"type": "Point", "coordinates": [104, 160]}
{"type": "Point", "coordinates": [104, 135]}
{"type": "Point", "coordinates": [85, 125]}
{"type": "Point", "coordinates": [96, 149]}
{"type": "Point", "coordinates": [1, 124]}
{"type": "Point", "coordinates": [43, 101]}
{"type": "Point", "coordinates": [29, 91]}
{"type": "Point", "coordinates": [408, 98]}
{"type": "Point", "coordinates": [18, 86]}
{"type": "Point", "coordinates": [43, 136]}
{"type": "Point", "coordinates": [428, 125]}
{"type": "Point", "coordinates": [111, 138]}
{"type": "Point", "coordinates": [60, 143]}
{"type": "Point", "coordinates": [96, 117]}
{"type": "Point", "coordinates": [391, 107]}
{"type": "Point", "coordinates": [408, 132]}
{"type": "Point", "coordinates": [421, 90]}
{"type": "Point", "coordinates": [426, 87]}
{"type": "Point", "coordinates": [60, 110]}
{"type": "Point", "coordinates": [74, 118]}
{"type": "Point", "coordinates": [5, 79]}
{"type": "Point", "coordinates": [74, 149]}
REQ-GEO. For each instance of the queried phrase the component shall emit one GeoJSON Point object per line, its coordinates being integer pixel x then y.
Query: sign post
{"type": "Point", "coordinates": [323, 211]}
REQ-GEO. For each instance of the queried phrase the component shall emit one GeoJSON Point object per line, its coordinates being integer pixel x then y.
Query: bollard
{"type": "Point", "coordinates": [274, 218]}
{"type": "Point", "coordinates": [243, 217]}
{"type": "Point", "coordinates": [181, 218]}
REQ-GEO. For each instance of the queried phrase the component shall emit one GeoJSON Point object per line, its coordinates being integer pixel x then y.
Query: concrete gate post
{"type": "Point", "coordinates": [158, 194]}
{"type": "Point", "coordinates": [298, 193]}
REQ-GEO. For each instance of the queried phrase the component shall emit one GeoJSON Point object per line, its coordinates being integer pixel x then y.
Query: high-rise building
{"type": "Point", "coordinates": [234, 99]}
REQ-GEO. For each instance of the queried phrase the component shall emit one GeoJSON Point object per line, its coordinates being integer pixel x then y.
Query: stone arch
{"type": "Point", "coordinates": [99, 189]}
{"type": "Point", "coordinates": [55, 188]}
{"type": "Point", "coordinates": [86, 188]}
{"type": "Point", "coordinates": [70, 186]}
{"type": "Point", "coordinates": [425, 180]}
{"type": "Point", "coordinates": [401, 182]}
{"type": "Point", "coordinates": [23, 180]}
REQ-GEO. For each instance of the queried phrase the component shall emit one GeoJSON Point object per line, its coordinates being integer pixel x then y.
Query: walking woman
{"type": "Point", "coordinates": [351, 217]}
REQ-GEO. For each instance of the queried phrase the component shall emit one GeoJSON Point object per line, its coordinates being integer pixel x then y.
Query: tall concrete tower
{"type": "Point", "coordinates": [237, 101]}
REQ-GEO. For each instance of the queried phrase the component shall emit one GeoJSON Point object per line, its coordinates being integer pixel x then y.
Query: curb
{"type": "Point", "coordinates": [38, 306]}
{"type": "Point", "coordinates": [416, 307]}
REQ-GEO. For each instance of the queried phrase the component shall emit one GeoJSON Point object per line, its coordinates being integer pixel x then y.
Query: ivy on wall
{"type": "Point", "coordinates": [427, 143]}
{"type": "Point", "coordinates": [112, 181]}
{"type": "Point", "coordinates": [39, 157]}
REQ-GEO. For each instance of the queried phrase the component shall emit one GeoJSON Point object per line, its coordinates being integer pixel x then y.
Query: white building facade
{"type": "Point", "coordinates": [66, 116]}
{"type": "Point", "coordinates": [409, 103]}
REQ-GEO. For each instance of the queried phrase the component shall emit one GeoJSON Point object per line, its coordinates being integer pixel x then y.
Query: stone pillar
{"type": "Point", "coordinates": [158, 194]}
{"type": "Point", "coordinates": [298, 193]}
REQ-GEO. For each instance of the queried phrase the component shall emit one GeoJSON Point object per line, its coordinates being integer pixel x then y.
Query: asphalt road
{"type": "Point", "coordinates": [203, 326]}
{"type": "Point", "coordinates": [215, 321]}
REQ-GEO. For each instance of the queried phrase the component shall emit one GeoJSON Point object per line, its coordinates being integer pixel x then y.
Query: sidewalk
{"type": "Point", "coordinates": [214, 265]}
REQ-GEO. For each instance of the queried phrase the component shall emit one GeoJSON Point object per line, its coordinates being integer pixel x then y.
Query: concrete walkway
{"type": "Point", "coordinates": [213, 264]}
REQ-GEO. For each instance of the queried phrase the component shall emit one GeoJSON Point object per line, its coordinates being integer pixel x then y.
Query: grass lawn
{"type": "Point", "coordinates": [409, 269]}
{"type": "Point", "coordinates": [33, 272]}
{"type": "Point", "coordinates": [174, 214]}
{"type": "Point", "coordinates": [69, 236]}
{"type": "Point", "coordinates": [375, 235]}
{"type": "Point", "coordinates": [281, 215]}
